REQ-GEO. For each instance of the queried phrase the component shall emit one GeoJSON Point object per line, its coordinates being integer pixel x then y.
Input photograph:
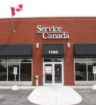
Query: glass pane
{"type": "Point", "coordinates": [47, 60]}
{"type": "Point", "coordinates": [10, 71]}
{"type": "Point", "coordinates": [13, 60]}
{"type": "Point", "coordinates": [3, 71]}
{"type": "Point", "coordinates": [3, 60]}
{"type": "Point", "coordinates": [25, 73]}
{"type": "Point", "coordinates": [58, 73]}
{"type": "Point", "coordinates": [80, 71]}
{"type": "Point", "coordinates": [53, 60]}
{"type": "Point", "coordinates": [77, 60]}
{"type": "Point", "coordinates": [25, 60]}
{"type": "Point", "coordinates": [48, 73]}
{"type": "Point", "coordinates": [91, 59]}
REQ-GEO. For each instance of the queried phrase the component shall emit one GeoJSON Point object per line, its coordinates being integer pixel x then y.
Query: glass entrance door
{"type": "Point", "coordinates": [58, 73]}
{"type": "Point", "coordinates": [53, 73]}
{"type": "Point", "coordinates": [48, 73]}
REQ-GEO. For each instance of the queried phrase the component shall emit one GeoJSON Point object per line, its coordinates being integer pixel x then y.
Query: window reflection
{"type": "Point", "coordinates": [3, 71]}
{"type": "Point", "coordinates": [84, 69]}
{"type": "Point", "coordinates": [25, 74]}
{"type": "Point", "coordinates": [90, 72]}
{"type": "Point", "coordinates": [11, 70]}
{"type": "Point", "coordinates": [58, 73]}
{"type": "Point", "coordinates": [80, 72]}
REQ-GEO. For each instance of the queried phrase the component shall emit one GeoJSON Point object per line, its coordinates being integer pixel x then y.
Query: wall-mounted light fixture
{"type": "Point", "coordinates": [14, 30]}
{"type": "Point", "coordinates": [68, 44]}
{"type": "Point", "coordinates": [37, 45]}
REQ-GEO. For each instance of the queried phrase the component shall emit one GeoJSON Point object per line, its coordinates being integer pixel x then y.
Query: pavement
{"type": "Point", "coordinates": [19, 97]}
{"type": "Point", "coordinates": [88, 95]}
{"type": "Point", "coordinates": [54, 95]}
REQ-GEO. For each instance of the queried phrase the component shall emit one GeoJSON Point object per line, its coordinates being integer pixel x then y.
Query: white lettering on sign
{"type": "Point", "coordinates": [53, 52]}
{"type": "Point", "coordinates": [52, 32]}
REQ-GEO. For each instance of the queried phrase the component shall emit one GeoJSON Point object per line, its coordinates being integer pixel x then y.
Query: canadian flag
{"type": "Point", "coordinates": [14, 10]}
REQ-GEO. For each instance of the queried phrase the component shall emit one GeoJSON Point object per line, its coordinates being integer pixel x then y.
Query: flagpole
{"type": "Point", "coordinates": [13, 25]}
{"type": "Point", "coordinates": [13, 13]}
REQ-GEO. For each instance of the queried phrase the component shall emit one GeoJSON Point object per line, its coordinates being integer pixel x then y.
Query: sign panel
{"type": "Point", "coordinates": [48, 69]}
{"type": "Point", "coordinates": [94, 69]}
{"type": "Point", "coordinates": [15, 70]}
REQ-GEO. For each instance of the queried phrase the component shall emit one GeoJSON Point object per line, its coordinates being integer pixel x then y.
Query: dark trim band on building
{"type": "Point", "coordinates": [84, 50]}
{"type": "Point", "coordinates": [19, 50]}
{"type": "Point", "coordinates": [53, 51]}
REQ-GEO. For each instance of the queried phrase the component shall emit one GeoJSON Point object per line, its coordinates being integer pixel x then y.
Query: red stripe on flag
{"type": "Point", "coordinates": [13, 11]}
{"type": "Point", "coordinates": [21, 6]}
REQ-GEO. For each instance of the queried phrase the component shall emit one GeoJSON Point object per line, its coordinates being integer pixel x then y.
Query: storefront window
{"type": "Point", "coordinates": [84, 69]}
{"type": "Point", "coordinates": [23, 66]}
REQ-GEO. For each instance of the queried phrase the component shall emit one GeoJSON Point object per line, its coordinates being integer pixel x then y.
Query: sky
{"type": "Point", "coordinates": [49, 8]}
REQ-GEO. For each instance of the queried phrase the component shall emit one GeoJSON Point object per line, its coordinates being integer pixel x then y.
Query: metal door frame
{"type": "Point", "coordinates": [53, 73]}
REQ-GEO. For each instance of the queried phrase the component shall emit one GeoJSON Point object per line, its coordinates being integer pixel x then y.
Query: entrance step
{"type": "Point", "coordinates": [54, 95]}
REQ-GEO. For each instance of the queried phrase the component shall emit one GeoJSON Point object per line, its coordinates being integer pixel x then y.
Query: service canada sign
{"type": "Point", "coordinates": [52, 32]}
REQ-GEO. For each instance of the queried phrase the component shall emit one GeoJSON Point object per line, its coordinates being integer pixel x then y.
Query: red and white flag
{"type": "Point", "coordinates": [15, 10]}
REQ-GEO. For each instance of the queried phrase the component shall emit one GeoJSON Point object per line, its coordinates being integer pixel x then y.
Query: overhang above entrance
{"type": "Point", "coordinates": [85, 50]}
{"type": "Point", "coordinates": [16, 50]}
{"type": "Point", "coordinates": [53, 51]}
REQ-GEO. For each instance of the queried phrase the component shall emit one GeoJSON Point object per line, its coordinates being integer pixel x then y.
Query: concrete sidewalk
{"type": "Point", "coordinates": [54, 95]}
